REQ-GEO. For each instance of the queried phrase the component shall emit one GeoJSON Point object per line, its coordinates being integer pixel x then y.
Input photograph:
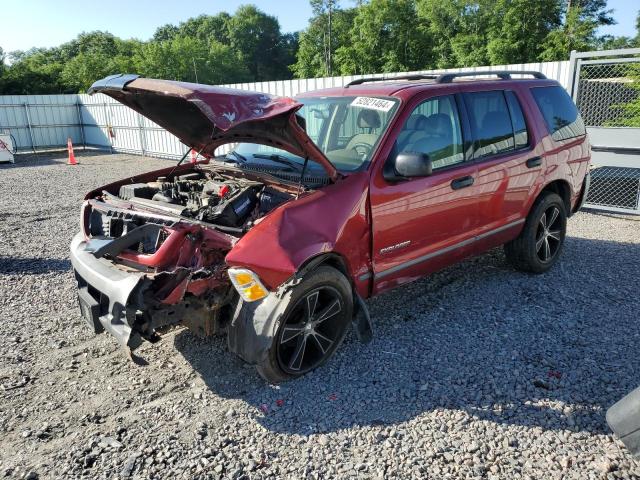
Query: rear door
{"type": "Point", "coordinates": [508, 165]}
{"type": "Point", "coordinates": [423, 224]}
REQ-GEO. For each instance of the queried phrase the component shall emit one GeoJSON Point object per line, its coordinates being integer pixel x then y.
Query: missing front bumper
{"type": "Point", "coordinates": [108, 297]}
{"type": "Point", "coordinates": [131, 305]}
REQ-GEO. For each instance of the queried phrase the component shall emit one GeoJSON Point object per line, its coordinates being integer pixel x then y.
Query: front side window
{"type": "Point", "coordinates": [560, 113]}
{"type": "Point", "coordinates": [434, 128]}
{"type": "Point", "coordinates": [346, 129]}
{"type": "Point", "coordinates": [490, 122]}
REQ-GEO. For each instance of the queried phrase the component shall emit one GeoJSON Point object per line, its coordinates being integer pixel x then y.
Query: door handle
{"type": "Point", "coordinates": [534, 162]}
{"type": "Point", "coordinates": [462, 182]}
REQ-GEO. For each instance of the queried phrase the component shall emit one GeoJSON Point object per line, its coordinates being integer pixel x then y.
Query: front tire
{"type": "Point", "coordinates": [538, 246]}
{"type": "Point", "coordinates": [312, 326]}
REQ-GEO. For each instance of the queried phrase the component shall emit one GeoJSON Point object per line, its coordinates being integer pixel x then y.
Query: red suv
{"type": "Point", "coordinates": [324, 200]}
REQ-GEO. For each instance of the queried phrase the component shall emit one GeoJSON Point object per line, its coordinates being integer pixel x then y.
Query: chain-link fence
{"type": "Point", "coordinates": [606, 88]}
{"type": "Point", "coordinates": [609, 94]}
{"type": "Point", "coordinates": [615, 188]}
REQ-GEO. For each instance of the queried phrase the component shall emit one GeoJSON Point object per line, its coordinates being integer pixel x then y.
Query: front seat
{"type": "Point", "coordinates": [367, 119]}
{"type": "Point", "coordinates": [439, 142]}
{"type": "Point", "coordinates": [412, 130]}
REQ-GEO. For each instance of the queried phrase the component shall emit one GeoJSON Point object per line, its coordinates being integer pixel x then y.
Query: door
{"type": "Point", "coordinates": [508, 167]}
{"type": "Point", "coordinates": [423, 224]}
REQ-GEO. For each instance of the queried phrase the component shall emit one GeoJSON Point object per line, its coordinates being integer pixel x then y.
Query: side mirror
{"type": "Point", "coordinates": [412, 164]}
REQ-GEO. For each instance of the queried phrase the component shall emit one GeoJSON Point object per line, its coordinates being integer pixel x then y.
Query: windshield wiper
{"type": "Point", "coordinates": [239, 157]}
{"type": "Point", "coordinates": [279, 159]}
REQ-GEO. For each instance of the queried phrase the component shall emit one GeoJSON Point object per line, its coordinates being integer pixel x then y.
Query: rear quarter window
{"type": "Point", "coordinates": [559, 112]}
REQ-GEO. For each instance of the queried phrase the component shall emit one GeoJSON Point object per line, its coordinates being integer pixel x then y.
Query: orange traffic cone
{"type": "Point", "coordinates": [72, 157]}
{"type": "Point", "coordinates": [194, 156]}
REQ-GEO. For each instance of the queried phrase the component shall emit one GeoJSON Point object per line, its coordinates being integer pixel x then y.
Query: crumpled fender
{"type": "Point", "coordinates": [254, 326]}
{"type": "Point", "coordinates": [333, 219]}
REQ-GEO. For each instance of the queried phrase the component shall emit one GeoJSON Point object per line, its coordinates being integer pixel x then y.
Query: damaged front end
{"type": "Point", "coordinates": [151, 253]}
{"type": "Point", "coordinates": [131, 300]}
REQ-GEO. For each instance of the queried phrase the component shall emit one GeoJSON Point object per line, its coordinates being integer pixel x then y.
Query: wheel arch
{"type": "Point", "coordinates": [332, 259]}
{"type": "Point", "coordinates": [361, 322]}
{"type": "Point", "coordinates": [560, 187]}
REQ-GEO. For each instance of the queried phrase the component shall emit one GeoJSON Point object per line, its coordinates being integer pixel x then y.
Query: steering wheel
{"type": "Point", "coordinates": [362, 149]}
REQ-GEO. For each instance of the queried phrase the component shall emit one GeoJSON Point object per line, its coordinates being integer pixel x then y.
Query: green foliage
{"type": "Point", "coordinates": [343, 37]}
{"type": "Point", "coordinates": [578, 33]}
{"type": "Point", "coordinates": [217, 49]}
{"type": "Point", "coordinates": [256, 38]}
{"type": "Point", "coordinates": [383, 38]}
{"type": "Point", "coordinates": [312, 57]}
{"type": "Point", "coordinates": [185, 58]}
{"type": "Point", "coordinates": [393, 35]}
{"type": "Point", "coordinates": [519, 28]}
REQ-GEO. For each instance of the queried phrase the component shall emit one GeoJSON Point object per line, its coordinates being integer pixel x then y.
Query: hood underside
{"type": "Point", "coordinates": [204, 117]}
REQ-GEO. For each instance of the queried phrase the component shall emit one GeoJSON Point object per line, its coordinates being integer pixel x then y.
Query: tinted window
{"type": "Point", "coordinates": [559, 112]}
{"type": "Point", "coordinates": [490, 122]}
{"type": "Point", "coordinates": [434, 128]}
{"type": "Point", "coordinates": [517, 118]}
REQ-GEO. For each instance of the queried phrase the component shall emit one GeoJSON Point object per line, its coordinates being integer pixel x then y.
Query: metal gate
{"type": "Point", "coordinates": [606, 88]}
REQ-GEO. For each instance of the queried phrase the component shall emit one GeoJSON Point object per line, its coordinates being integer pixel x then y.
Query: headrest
{"type": "Point", "coordinates": [368, 119]}
{"type": "Point", "coordinates": [416, 121]}
{"type": "Point", "coordinates": [439, 124]}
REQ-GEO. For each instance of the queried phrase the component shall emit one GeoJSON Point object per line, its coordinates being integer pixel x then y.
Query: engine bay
{"type": "Point", "coordinates": [208, 196]}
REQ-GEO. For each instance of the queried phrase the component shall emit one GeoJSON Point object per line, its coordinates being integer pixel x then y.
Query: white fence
{"type": "Point", "coordinates": [39, 122]}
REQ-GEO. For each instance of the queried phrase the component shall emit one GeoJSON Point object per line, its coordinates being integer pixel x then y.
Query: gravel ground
{"type": "Point", "coordinates": [475, 372]}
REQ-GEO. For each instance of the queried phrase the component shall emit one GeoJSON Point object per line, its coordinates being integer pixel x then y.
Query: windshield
{"type": "Point", "coordinates": [346, 129]}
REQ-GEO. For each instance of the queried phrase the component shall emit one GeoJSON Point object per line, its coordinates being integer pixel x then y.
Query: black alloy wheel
{"type": "Point", "coordinates": [549, 234]}
{"type": "Point", "coordinates": [311, 331]}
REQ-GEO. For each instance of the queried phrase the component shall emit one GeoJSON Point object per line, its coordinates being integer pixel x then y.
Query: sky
{"type": "Point", "coordinates": [48, 23]}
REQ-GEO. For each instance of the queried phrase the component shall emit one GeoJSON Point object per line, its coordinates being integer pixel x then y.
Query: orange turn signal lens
{"type": "Point", "coordinates": [247, 284]}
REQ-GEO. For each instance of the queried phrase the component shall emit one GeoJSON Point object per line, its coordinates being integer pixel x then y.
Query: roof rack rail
{"type": "Point", "coordinates": [360, 81]}
{"type": "Point", "coordinates": [502, 74]}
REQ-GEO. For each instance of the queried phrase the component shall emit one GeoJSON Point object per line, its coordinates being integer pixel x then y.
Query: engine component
{"type": "Point", "coordinates": [140, 190]}
{"type": "Point", "coordinates": [270, 198]}
{"type": "Point", "coordinates": [232, 212]}
{"type": "Point", "coordinates": [207, 196]}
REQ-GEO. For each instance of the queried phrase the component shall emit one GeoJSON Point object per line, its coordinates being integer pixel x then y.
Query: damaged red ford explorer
{"type": "Point", "coordinates": [323, 201]}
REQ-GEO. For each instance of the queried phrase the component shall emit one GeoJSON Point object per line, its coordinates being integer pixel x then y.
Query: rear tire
{"type": "Point", "coordinates": [539, 245]}
{"type": "Point", "coordinates": [312, 327]}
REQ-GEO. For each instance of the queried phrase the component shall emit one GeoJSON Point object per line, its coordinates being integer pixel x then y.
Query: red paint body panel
{"type": "Point", "coordinates": [333, 219]}
{"type": "Point", "coordinates": [205, 117]}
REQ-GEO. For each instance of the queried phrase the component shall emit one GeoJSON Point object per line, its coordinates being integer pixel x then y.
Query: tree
{"type": "Point", "coordinates": [578, 33]}
{"type": "Point", "coordinates": [311, 59]}
{"type": "Point", "coordinates": [190, 59]}
{"type": "Point", "coordinates": [384, 38]}
{"type": "Point", "coordinates": [324, 10]}
{"type": "Point", "coordinates": [595, 10]}
{"type": "Point", "coordinates": [519, 29]}
{"type": "Point", "coordinates": [459, 29]}
{"type": "Point", "coordinates": [256, 38]}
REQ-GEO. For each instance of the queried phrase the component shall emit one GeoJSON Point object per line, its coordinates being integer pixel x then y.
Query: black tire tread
{"type": "Point", "coordinates": [269, 368]}
{"type": "Point", "coordinates": [520, 252]}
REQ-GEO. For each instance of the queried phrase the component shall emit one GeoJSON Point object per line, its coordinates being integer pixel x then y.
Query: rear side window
{"type": "Point", "coordinates": [490, 122]}
{"type": "Point", "coordinates": [559, 112]}
{"type": "Point", "coordinates": [520, 134]}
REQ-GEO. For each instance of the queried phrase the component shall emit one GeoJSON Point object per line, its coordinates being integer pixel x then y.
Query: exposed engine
{"type": "Point", "coordinates": [208, 196]}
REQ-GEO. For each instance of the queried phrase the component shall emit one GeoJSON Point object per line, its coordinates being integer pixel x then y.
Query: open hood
{"type": "Point", "coordinates": [204, 117]}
